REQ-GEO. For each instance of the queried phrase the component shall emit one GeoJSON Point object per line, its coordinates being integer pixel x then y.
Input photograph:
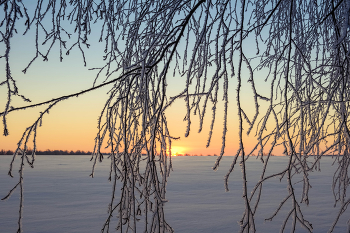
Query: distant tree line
{"type": "Point", "coordinates": [49, 152]}
{"type": "Point", "coordinates": [194, 155]}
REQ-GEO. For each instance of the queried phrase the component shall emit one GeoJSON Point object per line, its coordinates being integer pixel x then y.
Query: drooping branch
{"type": "Point", "coordinates": [301, 48]}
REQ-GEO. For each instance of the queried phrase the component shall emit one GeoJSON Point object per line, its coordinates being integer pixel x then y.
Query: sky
{"type": "Point", "coordinates": [72, 124]}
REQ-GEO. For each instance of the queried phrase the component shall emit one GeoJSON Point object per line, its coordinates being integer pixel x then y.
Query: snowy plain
{"type": "Point", "coordinates": [61, 197]}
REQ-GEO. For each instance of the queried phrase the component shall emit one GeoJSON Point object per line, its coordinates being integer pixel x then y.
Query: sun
{"type": "Point", "coordinates": [177, 150]}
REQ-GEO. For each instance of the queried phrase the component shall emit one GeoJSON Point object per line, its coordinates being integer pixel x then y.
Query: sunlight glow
{"type": "Point", "coordinates": [176, 150]}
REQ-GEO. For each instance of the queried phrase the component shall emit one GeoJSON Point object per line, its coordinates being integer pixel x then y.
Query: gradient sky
{"type": "Point", "coordinates": [72, 124]}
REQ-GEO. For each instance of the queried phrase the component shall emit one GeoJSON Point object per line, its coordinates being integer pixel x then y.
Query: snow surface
{"type": "Point", "coordinates": [61, 197]}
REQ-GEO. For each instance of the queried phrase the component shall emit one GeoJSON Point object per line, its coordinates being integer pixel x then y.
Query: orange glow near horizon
{"type": "Point", "coordinates": [176, 150]}
{"type": "Point", "coordinates": [71, 124]}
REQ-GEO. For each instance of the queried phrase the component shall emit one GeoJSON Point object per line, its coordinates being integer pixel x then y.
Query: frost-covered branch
{"type": "Point", "coordinates": [293, 54]}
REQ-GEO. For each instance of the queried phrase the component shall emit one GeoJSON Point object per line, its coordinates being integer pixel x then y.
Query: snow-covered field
{"type": "Point", "coordinates": [61, 197]}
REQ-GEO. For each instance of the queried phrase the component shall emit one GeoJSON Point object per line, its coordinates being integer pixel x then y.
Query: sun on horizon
{"type": "Point", "coordinates": [176, 150]}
